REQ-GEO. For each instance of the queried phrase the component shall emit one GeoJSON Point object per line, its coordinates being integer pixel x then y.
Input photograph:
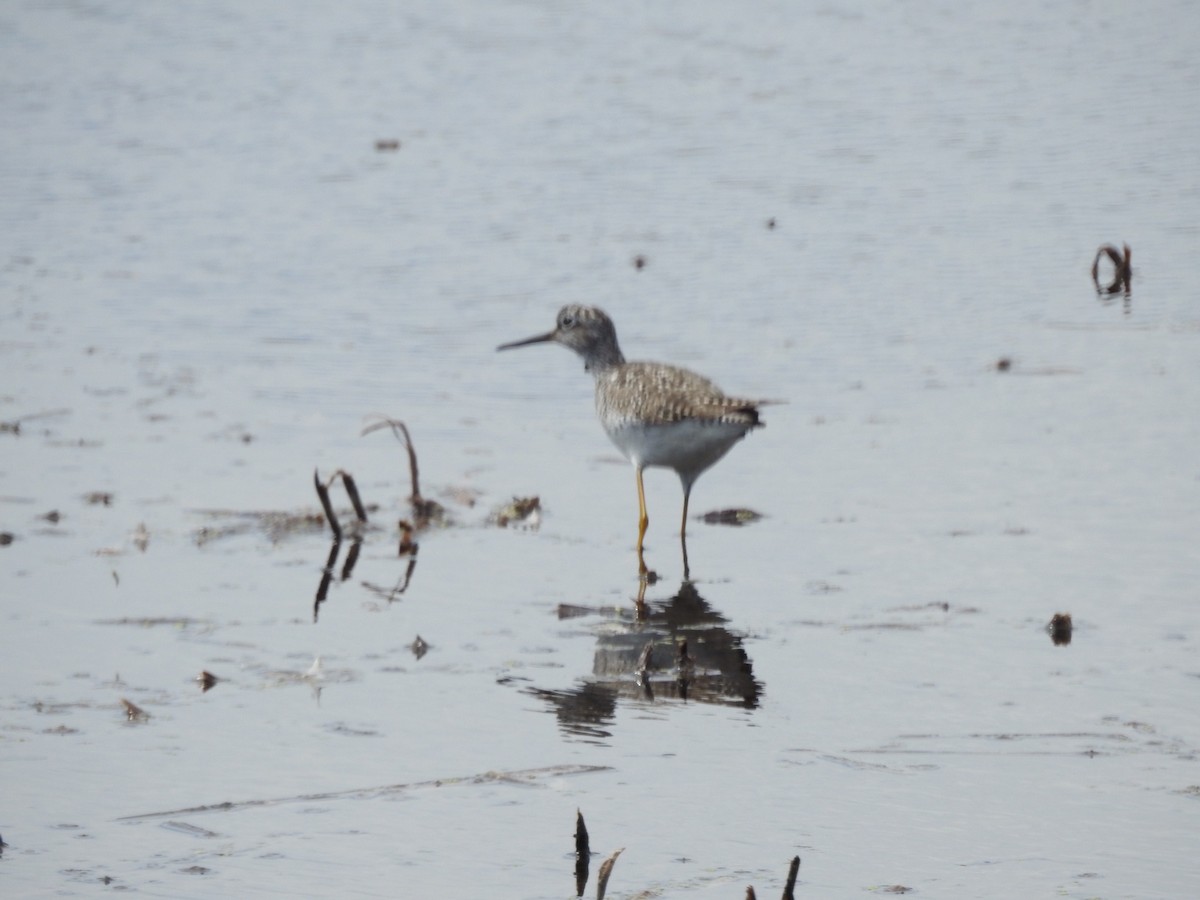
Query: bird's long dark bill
{"type": "Point", "coordinates": [537, 339]}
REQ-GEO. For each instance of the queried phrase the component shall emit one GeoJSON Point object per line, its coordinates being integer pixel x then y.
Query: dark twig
{"type": "Point", "coordinates": [581, 836]}
{"type": "Point", "coordinates": [400, 430]}
{"type": "Point", "coordinates": [606, 868]}
{"type": "Point", "coordinates": [352, 491]}
{"type": "Point", "coordinates": [330, 516]}
{"type": "Point", "coordinates": [793, 871]}
{"type": "Point", "coordinates": [423, 510]}
{"type": "Point", "coordinates": [582, 854]}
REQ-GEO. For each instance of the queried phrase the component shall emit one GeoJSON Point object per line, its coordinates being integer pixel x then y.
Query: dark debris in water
{"type": "Point", "coordinates": [1060, 629]}
{"type": "Point", "coordinates": [734, 517]}
{"type": "Point", "coordinates": [789, 887]}
{"type": "Point", "coordinates": [133, 712]}
{"type": "Point", "coordinates": [419, 647]}
{"type": "Point", "coordinates": [524, 512]}
{"type": "Point", "coordinates": [1121, 280]}
{"type": "Point", "coordinates": [207, 681]}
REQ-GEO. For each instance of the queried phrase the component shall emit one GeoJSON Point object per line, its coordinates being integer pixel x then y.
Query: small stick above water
{"type": "Point", "coordinates": [423, 510]}
{"type": "Point", "coordinates": [351, 491]}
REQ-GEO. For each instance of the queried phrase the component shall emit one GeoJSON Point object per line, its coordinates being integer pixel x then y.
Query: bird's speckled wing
{"type": "Point", "coordinates": [653, 393]}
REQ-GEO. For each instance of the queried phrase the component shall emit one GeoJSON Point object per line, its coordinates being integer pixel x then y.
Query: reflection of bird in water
{"type": "Point", "coordinates": [656, 414]}
{"type": "Point", "coordinates": [676, 649]}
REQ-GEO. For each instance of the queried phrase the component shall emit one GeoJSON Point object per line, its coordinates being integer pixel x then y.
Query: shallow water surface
{"type": "Point", "coordinates": [215, 275]}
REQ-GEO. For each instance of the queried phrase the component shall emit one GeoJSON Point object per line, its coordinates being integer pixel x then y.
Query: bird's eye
{"type": "Point", "coordinates": [567, 321]}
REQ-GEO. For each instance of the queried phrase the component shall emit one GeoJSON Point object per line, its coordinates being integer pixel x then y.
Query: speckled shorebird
{"type": "Point", "coordinates": [656, 414]}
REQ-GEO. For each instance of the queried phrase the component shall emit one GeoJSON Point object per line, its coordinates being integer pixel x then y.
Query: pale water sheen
{"type": "Point", "coordinates": [210, 276]}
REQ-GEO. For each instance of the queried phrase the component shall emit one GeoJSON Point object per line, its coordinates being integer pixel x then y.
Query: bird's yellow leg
{"type": "Point", "coordinates": [643, 518]}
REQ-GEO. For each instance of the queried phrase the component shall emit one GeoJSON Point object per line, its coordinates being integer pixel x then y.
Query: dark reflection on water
{"type": "Point", "coordinates": [673, 649]}
{"type": "Point", "coordinates": [1120, 278]}
{"type": "Point", "coordinates": [407, 549]}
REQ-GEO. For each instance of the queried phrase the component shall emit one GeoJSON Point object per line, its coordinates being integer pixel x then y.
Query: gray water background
{"type": "Point", "coordinates": [210, 275]}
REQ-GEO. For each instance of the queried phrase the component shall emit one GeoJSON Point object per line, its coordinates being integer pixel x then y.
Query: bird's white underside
{"type": "Point", "coordinates": [688, 446]}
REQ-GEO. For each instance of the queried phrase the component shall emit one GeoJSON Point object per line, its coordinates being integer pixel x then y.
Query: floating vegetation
{"type": "Point", "coordinates": [525, 512]}
{"type": "Point", "coordinates": [734, 517]}
{"type": "Point", "coordinates": [424, 512]}
{"type": "Point", "coordinates": [276, 525]}
{"type": "Point", "coordinates": [355, 524]}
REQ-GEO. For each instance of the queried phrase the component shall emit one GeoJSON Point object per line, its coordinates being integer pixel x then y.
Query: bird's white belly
{"type": "Point", "coordinates": [687, 446]}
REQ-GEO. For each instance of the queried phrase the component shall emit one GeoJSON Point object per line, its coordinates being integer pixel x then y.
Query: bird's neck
{"type": "Point", "coordinates": [602, 360]}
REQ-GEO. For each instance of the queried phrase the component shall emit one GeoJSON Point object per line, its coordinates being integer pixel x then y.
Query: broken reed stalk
{"type": "Point", "coordinates": [793, 871]}
{"type": "Point", "coordinates": [351, 490]}
{"type": "Point", "coordinates": [400, 430]}
{"type": "Point", "coordinates": [582, 854]}
{"type": "Point", "coordinates": [581, 836]}
{"type": "Point", "coordinates": [424, 511]}
{"type": "Point", "coordinates": [323, 496]}
{"type": "Point", "coordinates": [606, 868]}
